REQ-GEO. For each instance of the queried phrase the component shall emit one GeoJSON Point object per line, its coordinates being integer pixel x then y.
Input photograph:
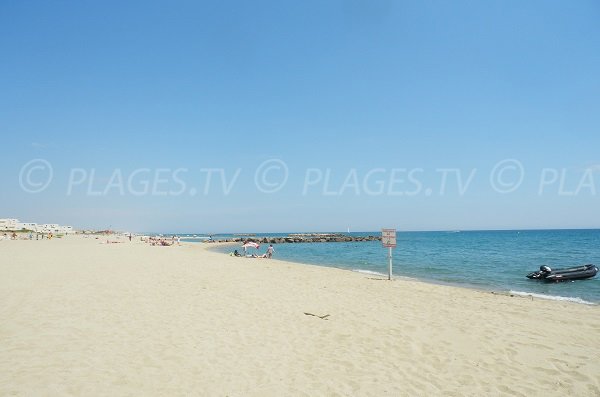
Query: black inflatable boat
{"type": "Point", "coordinates": [572, 273]}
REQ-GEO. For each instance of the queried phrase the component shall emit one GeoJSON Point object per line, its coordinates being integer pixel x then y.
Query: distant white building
{"type": "Point", "coordinates": [8, 224]}
{"type": "Point", "coordinates": [47, 228]}
{"type": "Point", "coordinates": [27, 226]}
{"type": "Point", "coordinates": [14, 224]}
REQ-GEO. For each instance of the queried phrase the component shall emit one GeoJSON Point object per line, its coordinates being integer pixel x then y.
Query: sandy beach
{"type": "Point", "coordinates": [82, 318]}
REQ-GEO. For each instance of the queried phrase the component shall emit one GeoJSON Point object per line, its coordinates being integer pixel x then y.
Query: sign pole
{"type": "Point", "coordinates": [390, 265]}
{"type": "Point", "coordinates": [388, 240]}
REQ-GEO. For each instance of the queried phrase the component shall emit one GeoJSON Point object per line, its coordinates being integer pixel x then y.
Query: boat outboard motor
{"type": "Point", "coordinates": [545, 269]}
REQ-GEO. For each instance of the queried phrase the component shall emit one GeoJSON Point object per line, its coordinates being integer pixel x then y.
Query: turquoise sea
{"type": "Point", "coordinates": [488, 260]}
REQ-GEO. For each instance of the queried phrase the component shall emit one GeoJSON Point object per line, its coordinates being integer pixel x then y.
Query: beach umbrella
{"type": "Point", "coordinates": [251, 244]}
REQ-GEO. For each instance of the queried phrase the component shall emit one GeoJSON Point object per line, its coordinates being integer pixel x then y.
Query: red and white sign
{"type": "Point", "coordinates": [388, 238]}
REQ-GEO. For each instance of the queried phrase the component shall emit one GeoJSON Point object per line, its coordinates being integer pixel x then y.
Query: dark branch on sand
{"type": "Point", "coordinates": [321, 317]}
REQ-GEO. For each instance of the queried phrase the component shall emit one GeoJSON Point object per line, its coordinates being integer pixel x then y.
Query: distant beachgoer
{"type": "Point", "coordinates": [270, 251]}
{"type": "Point", "coordinates": [236, 253]}
{"type": "Point", "coordinates": [14, 236]}
{"type": "Point", "coordinates": [129, 236]}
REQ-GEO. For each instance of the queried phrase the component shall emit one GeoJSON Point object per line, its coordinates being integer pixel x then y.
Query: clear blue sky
{"type": "Point", "coordinates": [338, 85]}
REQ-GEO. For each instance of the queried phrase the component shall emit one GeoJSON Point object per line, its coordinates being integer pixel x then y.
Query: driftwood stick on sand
{"type": "Point", "coordinates": [321, 317]}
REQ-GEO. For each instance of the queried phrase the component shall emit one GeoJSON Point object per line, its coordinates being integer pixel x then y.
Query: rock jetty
{"type": "Point", "coordinates": [302, 238]}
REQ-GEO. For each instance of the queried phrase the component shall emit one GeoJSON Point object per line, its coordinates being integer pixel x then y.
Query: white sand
{"type": "Point", "coordinates": [88, 319]}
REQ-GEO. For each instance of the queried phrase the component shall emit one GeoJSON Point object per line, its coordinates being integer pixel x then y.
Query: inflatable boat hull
{"type": "Point", "coordinates": [567, 274]}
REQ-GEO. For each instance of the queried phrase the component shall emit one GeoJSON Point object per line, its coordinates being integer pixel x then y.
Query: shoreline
{"type": "Point", "coordinates": [547, 299]}
{"type": "Point", "coordinates": [508, 292]}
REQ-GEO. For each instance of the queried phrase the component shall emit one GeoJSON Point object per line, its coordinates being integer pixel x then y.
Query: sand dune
{"type": "Point", "coordinates": [80, 318]}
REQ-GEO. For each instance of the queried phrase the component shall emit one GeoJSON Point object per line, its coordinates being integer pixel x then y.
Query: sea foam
{"type": "Point", "coordinates": [369, 272]}
{"type": "Point", "coordinates": [552, 297]}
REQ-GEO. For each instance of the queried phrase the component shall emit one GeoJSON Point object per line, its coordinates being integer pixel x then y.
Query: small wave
{"type": "Point", "coordinates": [369, 272]}
{"type": "Point", "coordinates": [553, 297]}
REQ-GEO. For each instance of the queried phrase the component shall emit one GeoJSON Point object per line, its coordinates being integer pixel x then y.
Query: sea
{"type": "Point", "coordinates": [484, 260]}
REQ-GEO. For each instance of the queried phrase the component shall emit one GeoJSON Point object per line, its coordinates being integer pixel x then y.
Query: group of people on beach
{"type": "Point", "coordinates": [267, 255]}
{"type": "Point", "coordinates": [24, 236]}
{"type": "Point", "coordinates": [162, 241]}
{"type": "Point", "coordinates": [5, 236]}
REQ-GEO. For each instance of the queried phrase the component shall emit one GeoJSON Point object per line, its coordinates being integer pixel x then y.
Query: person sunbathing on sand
{"type": "Point", "coordinates": [256, 256]}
